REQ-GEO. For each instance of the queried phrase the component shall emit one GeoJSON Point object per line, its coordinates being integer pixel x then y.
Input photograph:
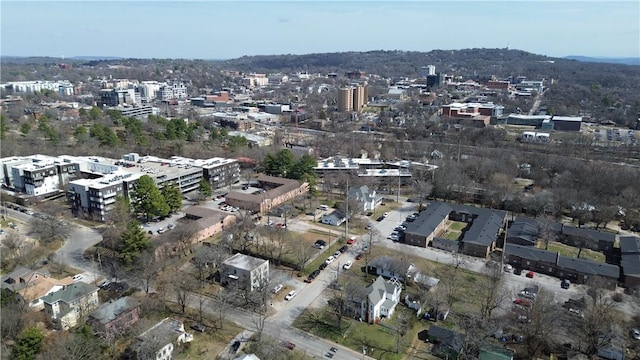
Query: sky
{"type": "Point", "coordinates": [229, 29]}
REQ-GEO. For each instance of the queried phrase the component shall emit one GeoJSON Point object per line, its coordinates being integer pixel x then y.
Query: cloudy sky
{"type": "Point", "coordinates": [228, 29]}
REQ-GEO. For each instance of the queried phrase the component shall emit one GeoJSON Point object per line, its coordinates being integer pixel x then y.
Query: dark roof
{"type": "Point", "coordinates": [70, 293]}
{"type": "Point", "coordinates": [203, 212]}
{"type": "Point", "coordinates": [111, 310]}
{"type": "Point", "coordinates": [594, 234]}
{"type": "Point", "coordinates": [483, 230]}
{"type": "Point", "coordinates": [485, 227]}
{"type": "Point", "coordinates": [630, 264]}
{"type": "Point", "coordinates": [429, 219]}
{"type": "Point", "coordinates": [554, 226]}
{"type": "Point", "coordinates": [585, 266]}
{"type": "Point", "coordinates": [523, 229]}
{"type": "Point", "coordinates": [530, 252]}
{"type": "Point", "coordinates": [446, 337]}
{"type": "Point", "coordinates": [388, 263]}
{"type": "Point", "coordinates": [630, 244]}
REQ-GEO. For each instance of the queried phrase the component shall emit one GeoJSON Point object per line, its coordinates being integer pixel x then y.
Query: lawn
{"type": "Point", "coordinates": [571, 251]}
{"type": "Point", "coordinates": [451, 235]}
{"type": "Point", "coordinates": [379, 339]}
{"type": "Point", "coordinates": [208, 345]}
{"type": "Point", "coordinates": [457, 225]}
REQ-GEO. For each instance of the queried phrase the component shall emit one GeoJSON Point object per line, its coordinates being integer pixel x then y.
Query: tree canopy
{"type": "Point", "coordinates": [172, 196]}
{"type": "Point", "coordinates": [28, 344]}
{"type": "Point", "coordinates": [134, 241]}
{"type": "Point", "coordinates": [148, 200]}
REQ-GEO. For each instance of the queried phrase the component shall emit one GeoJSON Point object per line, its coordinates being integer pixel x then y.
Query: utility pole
{"type": "Point", "coordinates": [346, 227]}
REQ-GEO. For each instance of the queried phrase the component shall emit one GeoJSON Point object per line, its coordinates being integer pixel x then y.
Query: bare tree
{"type": "Point", "coordinates": [182, 287]}
{"type": "Point", "coordinates": [72, 346]}
{"type": "Point", "coordinates": [594, 330]}
{"type": "Point", "coordinates": [302, 254]}
{"type": "Point", "coordinates": [541, 320]}
{"type": "Point", "coordinates": [491, 293]}
{"type": "Point", "coordinates": [13, 242]}
{"type": "Point", "coordinates": [545, 231]}
{"type": "Point", "coordinates": [48, 230]}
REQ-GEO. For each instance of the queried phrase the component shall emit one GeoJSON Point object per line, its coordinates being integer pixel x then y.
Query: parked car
{"type": "Point", "coordinates": [576, 312]}
{"type": "Point", "coordinates": [277, 288]}
{"type": "Point", "coordinates": [329, 260]}
{"type": "Point", "coordinates": [368, 227]}
{"type": "Point", "coordinates": [289, 345]}
{"type": "Point", "coordinates": [508, 268]}
{"type": "Point", "coordinates": [343, 249]}
{"type": "Point", "coordinates": [385, 215]}
{"type": "Point", "coordinates": [198, 327]}
{"type": "Point", "coordinates": [312, 276]}
{"type": "Point", "coordinates": [290, 295]}
{"type": "Point", "coordinates": [522, 302]}
{"type": "Point", "coordinates": [323, 266]}
{"type": "Point", "coordinates": [337, 254]}
{"type": "Point", "coordinates": [380, 218]}
{"type": "Point", "coordinates": [170, 226]}
{"type": "Point", "coordinates": [235, 346]}
{"type": "Point", "coordinates": [77, 278]}
{"type": "Point", "coordinates": [565, 284]}
{"type": "Point", "coordinates": [635, 333]}
{"type": "Point", "coordinates": [359, 256]}
{"type": "Point", "coordinates": [528, 294]}
{"type": "Point", "coordinates": [351, 240]}
{"type": "Point", "coordinates": [517, 271]}
{"type": "Point", "coordinates": [347, 265]}
{"type": "Point", "coordinates": [320, 244]}
{"type": "Point", "coordinates": [530, 274]}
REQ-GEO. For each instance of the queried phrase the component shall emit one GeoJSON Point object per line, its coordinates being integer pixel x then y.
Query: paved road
{"type": "Point", "coordinates": [80, 239]}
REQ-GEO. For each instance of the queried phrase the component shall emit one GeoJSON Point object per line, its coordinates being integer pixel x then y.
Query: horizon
{"type": "Point", "coordinates": [223, 30]}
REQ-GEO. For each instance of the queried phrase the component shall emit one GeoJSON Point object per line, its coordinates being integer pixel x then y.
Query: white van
{"type": "Point", "coordinates": [323, 207]}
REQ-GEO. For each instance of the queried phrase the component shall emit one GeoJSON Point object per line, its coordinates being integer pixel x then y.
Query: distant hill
{"type": "Point", "coordinates": [96, 58]}
{"type": "Point", "coordinates": [624, 60]}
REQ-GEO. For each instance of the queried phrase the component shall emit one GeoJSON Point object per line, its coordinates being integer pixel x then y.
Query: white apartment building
{"type": "Point", "coordinates": [62, 87]}
{"type": "Point", "coordinates": [37, 175]}
{"type": "Point", "coordinates": [169, 92]}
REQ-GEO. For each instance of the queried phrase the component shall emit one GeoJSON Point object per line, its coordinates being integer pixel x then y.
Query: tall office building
{"type": "Point", "coordinates": [352, 97]}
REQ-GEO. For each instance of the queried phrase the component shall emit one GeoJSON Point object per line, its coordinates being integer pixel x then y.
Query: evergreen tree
{"type": "Point", "coordinates": [279, 165]}
{"type": "Point", "coordinates": [172, 196]}
{"type": "Point", "coordinates": [133, 242]}
{"type": "Point", "coordinates": [28, 344]}
{"type": "Point", "coordinates": [148, 200]}
{"type": "Point", "coordinates": [205, 188]}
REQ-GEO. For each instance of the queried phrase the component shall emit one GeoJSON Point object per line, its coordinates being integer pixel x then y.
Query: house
{"type": "Point", "coordinates": [71, 304]}
{"type": "Point", "coordinates": [594, 239]}
{"type": "Point", "coordinates": [365, 197]}
{"type": "Point", "coordinates": [552, 263]}
{"type": "Point", "coordinates": [115, 316]}
{"type": "Point", "coordinates": [335, 218]}
{"type": "Point", "coordinates": [447, 344]}
{"type": "Point", "coordinates": [478, 237]}
{"type": "Point", "coordinates": [158, 341]}
{"type": "Point", "coordinates": [21, 277]}
{"type": "Point", "coordinates": [383, 296]}
{"type": "Point", "coordinates": [44, 286]}
{"type": "Point", "coordinates": [244, 271]}
{"type": "Point", "coordinates": [494, 352]}
{"type": "Point", "coordinates": [389, 268]}
{"type": "Point", "coordinates": [630, 260]}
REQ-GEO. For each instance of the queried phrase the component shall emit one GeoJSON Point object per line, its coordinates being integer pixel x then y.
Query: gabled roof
{"type": "Point", "coordinates": [387, 263]}
{"type": "Point", "coordinates": [335, 214]}
{"type": "Point", "coordinates": [165, 332]}
{"type": "Point", "coordinates": [630, 264]}
{"type": "Point", "coordinates": [530, 253]}
{"type": "Point", "coordinates": [429, 219]}
{"type": "Point", "coordinates": [586, 266]}
{"type": "Point", "coordinates": [70, 293]}
{"type": "Point", "coordinates": [379, 288]}
{"type": "Point", "coordinates": [594, 234]}
{"type": "Point", "coordinates": [485, 228]}
{"type": "Point", "coordinates": [360, 192]}
{"type": "Point", "coordinates": [630, 244]}
{"type": "Point", "coordinates": [42, 287]}
{"type": "Point", "coordinates": [111, 310]}
{"type": "Point", "coordinates": [446, 337]}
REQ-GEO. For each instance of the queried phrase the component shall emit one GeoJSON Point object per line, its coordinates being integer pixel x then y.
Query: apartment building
{"type": "Point", "coordinates": [62, 87]}
{"type": "Point", "coordinates": [244, 271]}
{"type": "Point", "coordinates": [170, 92]}
{"type": "Point", "coordinates": [36, 175]}
{"type": "Point", "coordinates": [115, 97]}
{"type": "Point", "coordinates": [352, 98]}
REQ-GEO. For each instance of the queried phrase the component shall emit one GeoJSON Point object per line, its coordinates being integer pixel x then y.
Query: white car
{"type": "Point", "coordinates": [290, 295]}
{"type": "Point", "coordinates": [330, 259]}
{"type": "Point", "coordinates": [385, 215]}
{"type": "Point", "coordinates": [77, 278]}
{"type": "Point", "coordinates": [277, 288]}
{"type": "Point", "coordinates": [347, 265]}
{"type": "Point", "coordinates": [635, 333]}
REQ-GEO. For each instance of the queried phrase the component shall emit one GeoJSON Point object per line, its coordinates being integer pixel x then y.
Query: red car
{"type": "Point", "coordinates": [359, 256]}
{"type": "Point", "coordinates": [289, 345]}
{"type": "Point", "coordinates": [522, 302]}
{"type": "Point", "coordinates": [530, 274]}
{"type": "Point", "coordinates": [351, 241]}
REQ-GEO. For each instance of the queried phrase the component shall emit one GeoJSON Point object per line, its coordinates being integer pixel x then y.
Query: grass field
{"type": "Point", "coordinates": [208, 345]}
{"type": "Point", "coordinates": [571, 251]}
{"type": "Point", "coordinates": [457, 225]}
{"type": "Point", "coordinates": [451, 235]}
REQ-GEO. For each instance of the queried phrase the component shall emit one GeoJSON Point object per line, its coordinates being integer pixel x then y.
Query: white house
{"type": "Point", "coordinates": [365, 197]}
{"type": "Point", "coordinates": [380, 300]}
{"type": "Point", "coordinates": [335, 218]}
{"type": "Point", "coordinates": [71, 303]}
{"type": "Point", "coordinates": [158, 341]}
{"type": "Point", "coordinates": [244, 271]}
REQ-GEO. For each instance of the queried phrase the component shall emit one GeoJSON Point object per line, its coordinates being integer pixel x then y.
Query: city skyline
{"type": "Point", "coordinates": [225, 30]}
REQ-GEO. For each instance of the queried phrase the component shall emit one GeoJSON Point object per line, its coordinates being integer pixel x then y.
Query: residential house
{"type": "Point", "coordinates": [630, 260]}
{"type": "Point", "coordinates": [71, 304]}
{"type": "Point", "coordinates": [366, 198]}
{"type": "Point", "coordinates": [158, 341]}
{"type": "Point", "coordinates": [376, 301]}
{"type": "Point", "coordinates": [44, 286]}
{"type": "Point", "coordinates": [447, 344]}
{"type": "Point", "coordinates": [389, 268]}
{"type": "Point", "coordinates": [244, 271]}
{"type": "Point", "coordinates": [20, 277]}
{"type": "Point", "coordinates": [115, 316]}
{"type": "Point", "coordinates": [552, 263]}
{"type": "Point", "coordinates": [335, 218]}
{"type": "Point", "coordinates": [592, 239]}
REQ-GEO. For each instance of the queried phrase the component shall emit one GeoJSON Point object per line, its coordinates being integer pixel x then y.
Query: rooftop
{"type": "Point", "coordinates": [112, 309]}
{"type": "Point", "coordinates": [70, 293]}
{"type": "Point", "coordinates": [244, 262]}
